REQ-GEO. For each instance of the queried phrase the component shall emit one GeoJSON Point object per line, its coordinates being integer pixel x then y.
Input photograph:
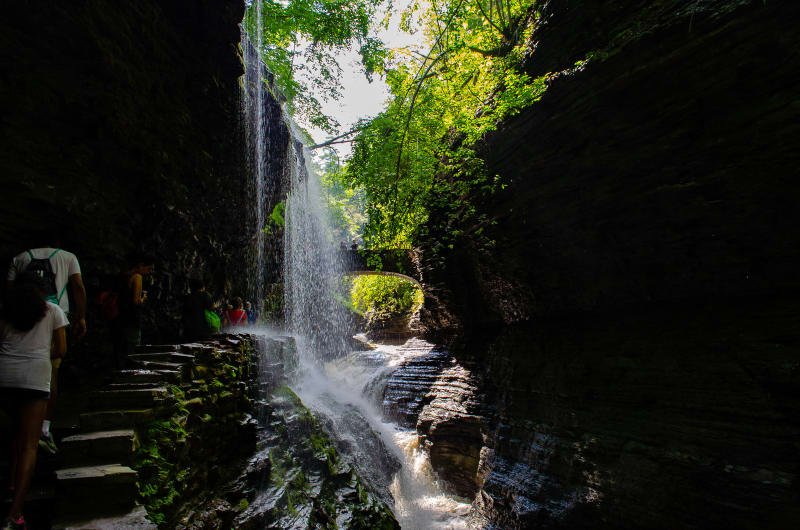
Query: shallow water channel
{"type": "Point", "coordinates": [346, 395]}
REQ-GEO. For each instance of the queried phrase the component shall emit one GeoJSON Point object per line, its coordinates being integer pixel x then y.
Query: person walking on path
{"type": "Point", "coordinates": [32, 332]}
{"type": "Point", "coordinates": [195, 305]}
{"type": "Point", "coordinates": [127, 327]}
{"type": "Point", "coordinates": [59, 269]}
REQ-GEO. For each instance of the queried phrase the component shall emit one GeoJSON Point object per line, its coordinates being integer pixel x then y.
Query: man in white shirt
{"type": "Point", "coordinates": [65, 272]}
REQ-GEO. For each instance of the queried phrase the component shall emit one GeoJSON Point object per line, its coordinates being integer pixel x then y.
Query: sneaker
{"type": "Point", "coordinates": [14, 525]}
{"type": "Point", "coordinates": [47, 443]}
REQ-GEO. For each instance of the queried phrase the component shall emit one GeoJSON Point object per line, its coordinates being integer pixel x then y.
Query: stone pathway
{"type": "Point", "coordinates": [95, 486]}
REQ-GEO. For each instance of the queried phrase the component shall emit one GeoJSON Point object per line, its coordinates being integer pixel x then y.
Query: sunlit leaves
{"type": "Point", "coordinates": [385, 294]}
{"type": "Point", "coordinates": [444, 102]}
{"type": "Point", "coordinates": [293, 35]}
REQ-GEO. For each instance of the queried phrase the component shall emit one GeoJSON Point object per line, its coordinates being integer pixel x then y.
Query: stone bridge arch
{"type": "Point", "coordinates": [383, 273]}
{"type": "Point", "coordinates": [401, 262]}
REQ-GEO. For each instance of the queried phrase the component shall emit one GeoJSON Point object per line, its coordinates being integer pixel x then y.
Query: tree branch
{"type": "Point", "coordinates": [334, 139]}
{"type": "Point", "coordinates": [487, 17]}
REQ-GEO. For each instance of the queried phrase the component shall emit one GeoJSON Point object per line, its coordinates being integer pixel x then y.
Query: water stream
{"type": "Point", "coordinates": [347, 394]}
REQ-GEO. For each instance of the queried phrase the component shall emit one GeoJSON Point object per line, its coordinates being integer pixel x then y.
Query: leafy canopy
{"type": "Point", "coordinates": [443, 103]}
{"type": "Point", "coordinates": [302, 37]}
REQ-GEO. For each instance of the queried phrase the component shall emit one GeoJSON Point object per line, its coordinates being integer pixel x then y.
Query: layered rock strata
{"type": "Point", "coordinates": [633, 323]}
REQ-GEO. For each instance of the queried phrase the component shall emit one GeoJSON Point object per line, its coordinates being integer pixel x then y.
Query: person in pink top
{"type": "Point", "coordinates": [236, 317]}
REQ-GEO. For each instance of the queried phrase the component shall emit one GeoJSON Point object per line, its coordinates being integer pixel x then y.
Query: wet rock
{"type": "Point", "coordinates": [363, 450]}
{"type": "Point", "coordinates": [186, 456]}
{"type": "Point", "coordinates": [406, 390]}
{"type": "Point", "coordinates": [453, 428]}
{"type": "Point", "coordinates": [308, 485]}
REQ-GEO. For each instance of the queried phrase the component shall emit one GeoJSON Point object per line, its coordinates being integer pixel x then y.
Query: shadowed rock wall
{"type": "Point", "coordinates": [121, 129]}
{"type": "Point", "coordinates": [634, 322]}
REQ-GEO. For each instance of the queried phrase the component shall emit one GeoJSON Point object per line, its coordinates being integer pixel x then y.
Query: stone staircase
{"type": "Point", "coordinates": [95, 486]}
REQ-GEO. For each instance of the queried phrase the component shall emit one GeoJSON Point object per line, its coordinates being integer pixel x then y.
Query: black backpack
{"type": "Point", "coordinates": [44, 269]}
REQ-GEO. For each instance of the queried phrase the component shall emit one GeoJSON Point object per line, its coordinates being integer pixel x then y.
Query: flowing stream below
{"type": "Point", "coordinates": [346, 396]}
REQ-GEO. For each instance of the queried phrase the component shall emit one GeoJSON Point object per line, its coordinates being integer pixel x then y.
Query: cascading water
{"type": "Point", "coordinates": [253, 109]}
{"type": "Point", "coordinates": [341, 386]}
{"type": "Point", "coordinates": [348, 392]}
{"type": "Point", "coordinates": [312, 265]}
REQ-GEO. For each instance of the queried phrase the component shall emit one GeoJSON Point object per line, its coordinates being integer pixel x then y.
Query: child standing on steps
{"type": "Point", "coordinates": [32, 332]}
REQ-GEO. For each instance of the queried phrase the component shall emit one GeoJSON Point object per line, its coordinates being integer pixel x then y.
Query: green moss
{"type": "Point", "coordinates": [177, 392]}
{"type": "Point", "coordinates": [159, 478]}
{"type": "Point", "coordinates": [169, 473]}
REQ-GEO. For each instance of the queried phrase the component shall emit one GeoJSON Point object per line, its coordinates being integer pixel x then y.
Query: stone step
{"type": "Point", "coordinates": [134, 398]}
{"type": "Point", "coordinates": [136, 518]}
{"type": "Point", "coordinates": [97, 447]}
{"type": "Point", "coordinates": [147, 376]}
{"type": "Point", "coordinates": [133, 386]}
{"type": "Point", "coordinates": [115, 419]}
{"type": "Point", "coordinates": [173, 357]}
{"type": "Point", "coordinates": [92, 491]}
{"type": "Point", "coordinates": [156, 348]}
{"type": "Point", "coordinates": [161, 365]}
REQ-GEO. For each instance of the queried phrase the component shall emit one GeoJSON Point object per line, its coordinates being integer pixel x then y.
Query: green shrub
{"type": "Point", "coordinates": [385, 294]}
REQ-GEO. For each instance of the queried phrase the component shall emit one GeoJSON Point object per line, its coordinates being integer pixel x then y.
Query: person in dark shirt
{"type": "Point", "coordinates": [127, 327]}
{"type": "Point", "coordinates": [195, 305]}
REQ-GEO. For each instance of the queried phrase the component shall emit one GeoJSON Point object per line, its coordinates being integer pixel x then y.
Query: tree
{"type": "Point", "coordinates": [297, 35]}
{"type": "Point", "coordinates": [444, 102]}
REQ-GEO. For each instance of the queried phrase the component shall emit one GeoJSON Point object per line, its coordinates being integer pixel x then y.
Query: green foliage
{"type": "Point", "coordinates": [159, 482]}
{"type": "Point", "coordinates": [385, 294]}
{"type": "Point", "coordinates": [302, 36]}
{"type": "Point", "coordinates": [272, 304]}
{"type": "Point", "coordinates": [176, 392]}
{"type": "Point", "coordinates": [345, 205]}
{"type": "Point", "coordinates": [421, 149]}
{"type": "Point", "coordinates": [276, 220]}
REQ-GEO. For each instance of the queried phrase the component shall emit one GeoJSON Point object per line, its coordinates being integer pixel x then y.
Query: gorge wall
{"type": "Point", "coordinates": [122, 130]}
{"type": "Point", "coordinates": [634, 323]}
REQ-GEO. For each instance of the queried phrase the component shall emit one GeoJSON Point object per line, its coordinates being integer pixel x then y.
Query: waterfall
{"type": "Point", "coordinates": [341, 386]}
{"type": "Point", "coordinates": [312, 264]}
{"type": "Point", "coordinates": [255, 120]}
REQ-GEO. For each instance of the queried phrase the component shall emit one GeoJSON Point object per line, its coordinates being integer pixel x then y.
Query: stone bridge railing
{"type": "Point", "coordinates": [393, 262]}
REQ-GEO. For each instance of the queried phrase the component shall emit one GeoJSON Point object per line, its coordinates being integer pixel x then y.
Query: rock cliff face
{"type": "Point", "coordinates": [634, 324]}
{"type": "Point", "coordinates": [122, 130]}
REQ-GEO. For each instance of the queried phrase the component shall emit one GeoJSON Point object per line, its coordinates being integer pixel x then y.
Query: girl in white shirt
{"type": "Point", "coordinates": [32, 332]}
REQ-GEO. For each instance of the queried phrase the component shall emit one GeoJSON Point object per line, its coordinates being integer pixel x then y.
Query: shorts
{"type": "Point", "coordinates": [15, 397]}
